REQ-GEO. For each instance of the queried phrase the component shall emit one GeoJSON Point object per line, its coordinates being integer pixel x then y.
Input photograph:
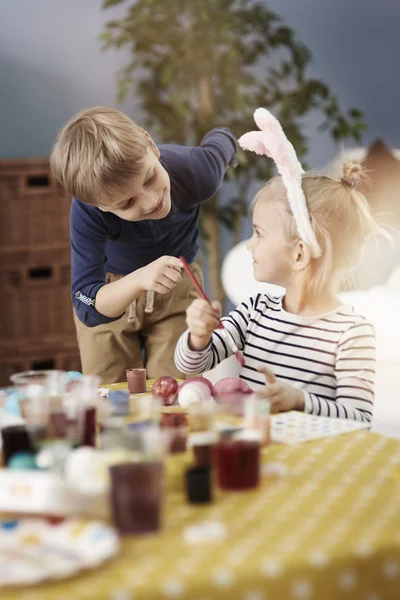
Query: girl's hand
{"type": "Point", "coordinates": [283, 396]}
{"type": "Point", "coordinates": [202, 319]}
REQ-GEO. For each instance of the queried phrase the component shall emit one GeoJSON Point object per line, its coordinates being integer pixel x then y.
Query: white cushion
{"type": "Point", "coordinates": [387, 402]}
{"type": "Point", "coordinates": [394, 281]}
{"type": "Point", "coordinates": [237, 276]}
{"type": "Point", "coordinates": [228, 368]}
{"type": "Point", "coordinates": [381, 306]}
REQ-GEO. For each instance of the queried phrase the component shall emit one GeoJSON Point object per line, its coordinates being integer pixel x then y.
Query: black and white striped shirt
{"type": "Point", "coordinates": [330, 357]}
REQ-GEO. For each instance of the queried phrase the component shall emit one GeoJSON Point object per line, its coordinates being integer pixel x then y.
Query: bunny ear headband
{"type": "Point", "coordinates": [272, 142]}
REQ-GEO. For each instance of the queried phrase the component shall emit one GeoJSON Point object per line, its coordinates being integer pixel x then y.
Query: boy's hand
{"type": "Point", "coordinates": [202, 318]}
{"type": "Point", "coordinates": [283, 396]}
{"type": "Point", "coordinates": [160, 276]}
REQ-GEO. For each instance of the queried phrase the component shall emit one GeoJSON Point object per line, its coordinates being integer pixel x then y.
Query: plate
{"type": "Point", "coordinates": [295, 427]}
{"type": "Point", "coordinates": [34, 550]}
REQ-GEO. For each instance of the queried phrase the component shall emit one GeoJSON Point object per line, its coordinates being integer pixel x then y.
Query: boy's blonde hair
{"type": "Point", "coordinates": [97, 152]}
{"type": "Point", "coordinates": [340, 216]}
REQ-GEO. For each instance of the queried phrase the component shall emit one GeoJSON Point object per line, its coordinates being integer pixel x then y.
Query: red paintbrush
{"type": "Point", "coordinates": [226, 335]}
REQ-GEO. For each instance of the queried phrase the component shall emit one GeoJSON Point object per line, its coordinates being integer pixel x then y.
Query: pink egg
{"type": "Point", "coordinates": [232, 391]}
{"type": "Point", "coordinates": [231, 385]}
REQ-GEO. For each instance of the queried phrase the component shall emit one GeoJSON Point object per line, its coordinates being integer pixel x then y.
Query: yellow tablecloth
{"type": "Point", "coordinates": [328, 530]}
{"type": "Point", "coordinates": [124, 385]}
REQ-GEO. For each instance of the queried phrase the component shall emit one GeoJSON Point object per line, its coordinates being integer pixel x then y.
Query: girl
{"type": "Point", "coordinates": [305, 350]}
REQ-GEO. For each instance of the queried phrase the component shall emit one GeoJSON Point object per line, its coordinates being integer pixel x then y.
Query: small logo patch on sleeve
{"type": "Point", "coordinates": [84, 299]}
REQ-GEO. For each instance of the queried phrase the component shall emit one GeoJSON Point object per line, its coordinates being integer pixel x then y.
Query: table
{"type": "Point", "coordinates": [329, 529]}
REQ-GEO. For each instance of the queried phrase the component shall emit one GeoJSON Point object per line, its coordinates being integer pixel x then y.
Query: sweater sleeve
{"type": "Point", "coordinates": [192, 361]}
{"type": "Point", "coordinates": [88, 261]}
{"type": "Point", "coordinates": [355, 377]}
{"type": "Point", "coordinates": [210, 160]}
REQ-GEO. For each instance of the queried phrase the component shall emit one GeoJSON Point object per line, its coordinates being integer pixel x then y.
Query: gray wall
{"type": "Point", "coordinates": [51, 65]}
{"type": "Point", "coordinates": [355, 45]}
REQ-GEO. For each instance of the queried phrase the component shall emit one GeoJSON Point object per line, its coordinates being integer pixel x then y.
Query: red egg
{"type": "Point", "coordinates": [165, 388]}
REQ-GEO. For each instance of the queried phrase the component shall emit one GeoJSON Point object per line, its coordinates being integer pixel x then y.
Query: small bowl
{"type": "Point", "coordinates": [35, 377]}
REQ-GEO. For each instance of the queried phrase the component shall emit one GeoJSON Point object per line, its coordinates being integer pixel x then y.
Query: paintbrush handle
{"type": "Point", "coordinates": [193, 279]}
{"type": "Point", "coordinates": [203, 295]}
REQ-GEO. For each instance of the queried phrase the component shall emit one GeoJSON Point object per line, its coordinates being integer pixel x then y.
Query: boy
{"type": "Point", "coordinates": [134, 211]}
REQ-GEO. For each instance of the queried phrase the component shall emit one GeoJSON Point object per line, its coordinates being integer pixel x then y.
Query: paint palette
{"type": "Point", "coordinates": [35, 550]}
{"type": "Point", "coordinates": [294, 427]}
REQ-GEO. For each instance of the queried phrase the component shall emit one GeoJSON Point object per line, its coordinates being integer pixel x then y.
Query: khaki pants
{"type": "Point", "coordinates": [108, 350]}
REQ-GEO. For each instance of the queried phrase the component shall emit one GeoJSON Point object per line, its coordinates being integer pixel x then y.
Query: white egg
{"type": "Point", "coordinates": [86, 470]}
{"type": "Point", "coordinates": [192, 393]}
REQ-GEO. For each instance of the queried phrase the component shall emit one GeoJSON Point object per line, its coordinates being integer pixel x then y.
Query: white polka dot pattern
{"type": "Point", "coordinates": [301, 590]}
{"type": "Point", "coordinates": [328, 523]}
{"type": "Point", "coordinates": [223, 578]}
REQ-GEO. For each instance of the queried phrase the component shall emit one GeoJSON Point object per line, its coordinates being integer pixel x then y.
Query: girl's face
{"type": "Point", "coordinates": [272, 255]}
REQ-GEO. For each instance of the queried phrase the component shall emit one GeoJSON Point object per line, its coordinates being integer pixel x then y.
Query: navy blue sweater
{"type": "Point", "coordinates": [102, 242]}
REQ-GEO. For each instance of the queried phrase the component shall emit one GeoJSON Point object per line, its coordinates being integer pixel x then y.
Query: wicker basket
{"type": "Point", "coordinates": [48, 353]}
{"type": "Point", "coordinates": [33, 206]}
{"type": "Point", "coordinates": [35, 294]}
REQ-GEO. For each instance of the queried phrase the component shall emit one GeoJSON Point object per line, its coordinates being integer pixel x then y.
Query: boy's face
{"type": "Point", "coordinates": [147, 196]}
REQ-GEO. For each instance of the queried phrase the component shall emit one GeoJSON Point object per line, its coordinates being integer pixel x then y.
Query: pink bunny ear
{"type": "Point", "coordinates": [279, 147]}
{"type": "Point", "coordinates": [272, 141]}
{"type": "Point", "coordinates": [264, 119]}
{"type": "Point", "coordinates": [255, 141]}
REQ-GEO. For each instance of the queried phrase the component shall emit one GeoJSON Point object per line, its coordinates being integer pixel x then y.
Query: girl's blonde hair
{"type": "Point", "coordinates": [340, 216]}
